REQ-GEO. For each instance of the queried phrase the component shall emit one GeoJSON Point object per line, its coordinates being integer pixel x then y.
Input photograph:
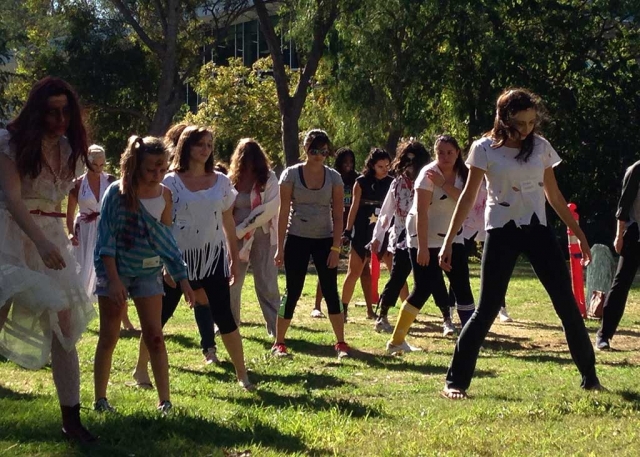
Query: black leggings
{"type": "Point", "coordinates": [216, 286]}
{"type": "Point", "coordinates": [400, 270]}
{"type": "Point", "coordinates": [428, 280]}
{"type": "Point", "coordinates": [297, 251]}
{"type": "Point", "coordinates": [617, 297]}
{"type": "Point", "coordinates": [501, 251]}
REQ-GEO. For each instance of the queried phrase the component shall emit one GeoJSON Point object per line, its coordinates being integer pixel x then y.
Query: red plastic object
{"type": "Point", "coordinates": [374, 265]}
{"type": "Point", "coordinates": [575, 255]}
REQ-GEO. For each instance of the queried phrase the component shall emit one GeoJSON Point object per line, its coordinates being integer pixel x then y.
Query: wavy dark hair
{"type": "Point", "coordinates": [172, 136]}
{"type": "Point", "coordinates": [182, 152]}
{"type": "Point", "coordinates": [249, 152]}
{"type": "Point", "coordinates": [459, 166]}
{"type": "Point", "coordinates": [130, 163]}
{"type": "Point", "coordinates": [421, 157]}
{"type": "Point", "coordinates": [375, 156]}
{"type": "Point", "coordinates": [28, 128]}
{"type": "Point", "coordinates": [510, 102]}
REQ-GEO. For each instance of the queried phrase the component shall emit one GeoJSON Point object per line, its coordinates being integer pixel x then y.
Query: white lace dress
{"type": "Point", "coordinates": [85, 227]}
{"type": "Point", "coordinates": [42, 302]}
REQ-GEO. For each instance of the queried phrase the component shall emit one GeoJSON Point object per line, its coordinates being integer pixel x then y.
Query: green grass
{"type": "Point", "coordinates": [525, 400]}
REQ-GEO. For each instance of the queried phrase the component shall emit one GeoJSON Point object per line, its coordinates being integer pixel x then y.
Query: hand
{"type": "Point", "coordinates": [188, 293]}
{"type": "Point", "coordinates": [423, 257]}
{"type": "Point", "coordinates": [586, 252]}
{"type": "Point", "coordinates": [233, 272]}
{"type": "Point", "coordinates": [74, 240]}
{"type": "Point", "coordinates": [617, 244]}
{"type": "Point", "coordinates": [278, 259]}
{"type": "Point", "coordinates": [50, 255]}
{"type": "Point", "coordinates": [117, 292]}
{"type": "Point", "coordinates": [347, 236]}
{"type": "Point", "coordinates": [375, 246]}
{"type": "Point", "coordinates": [445, 257]}
{"type": "Point", "coordinates": [436, 178]}
{"type": "Point", "coordinates": [168, 279]}
{"type": "Point", "coordinates": [332, 260]}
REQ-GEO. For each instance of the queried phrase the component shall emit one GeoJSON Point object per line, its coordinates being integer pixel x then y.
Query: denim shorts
{"type": "Point", "coordinates": [138, 286]}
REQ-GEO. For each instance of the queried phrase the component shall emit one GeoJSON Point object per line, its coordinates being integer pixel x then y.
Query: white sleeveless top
{"type": "Point", "coordinates": [197, 223]}
{"type": "Point", "coordinates": [154, 205]}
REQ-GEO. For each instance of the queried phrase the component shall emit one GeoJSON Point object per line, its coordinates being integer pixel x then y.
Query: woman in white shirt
{"type": "Point", "coordinates": [438, 188]}
{"type": "Point", "coordinates": [518, 165]}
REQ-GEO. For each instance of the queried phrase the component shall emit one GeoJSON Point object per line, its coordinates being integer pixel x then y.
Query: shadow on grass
{"type": "Point", "coordinates": [226, 373]}
{"type": "Point", "coordinates": [8, 394]}
{"type": "Point", "coordinates": [185, 341]}
{"type": "Point", "coordinates": [631, 397]}
{"type": "Point", "coordinates": [152, 435]}
{"type": "Point", "coordinates": [544, 358]}
{"type": "Point", "coordinates": [124, 334]}
{"type": "Point", "coordinates": [349, 407]}
{"type": "Point", "coordinates": [306, 380]}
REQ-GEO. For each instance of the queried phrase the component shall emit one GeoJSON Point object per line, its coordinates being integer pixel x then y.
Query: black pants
{"type": "Point", "coordinates": [297, 251]}
{"type": "Point", "coordinates": [400, 270]}
{"type": "Point", "coordinates": [216, 286]}
{"type": "Point", "coordinates": [617, 297]}
{"type": "Point", "coordinates": [501, 251]}
{"type": "Point", "coordinates": [428, 280]}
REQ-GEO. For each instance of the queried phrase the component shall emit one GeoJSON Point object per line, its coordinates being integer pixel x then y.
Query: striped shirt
{"type": "Point", "coordinates": [135, 239]}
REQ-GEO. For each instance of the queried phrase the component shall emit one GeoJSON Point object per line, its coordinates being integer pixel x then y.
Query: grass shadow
{"type": "Point", "coordinates": [537, 358]}
{"type": "Point", "coordinates": [183, 340]}
{"type": "Point", "coordinates": [228, 375]}
{"type": "Point", "coordinates": [309, 348]}
{"type": "Point", "coordinates": [307, 380]}
{"type": "Point", "coordinates": [8, 394]}
{"type": "Point", "coordinates": [630, 396]}
{"type": "Point", "coordinates": [350, 407]}
{"type": "Point", "coordinates": [177, 434]}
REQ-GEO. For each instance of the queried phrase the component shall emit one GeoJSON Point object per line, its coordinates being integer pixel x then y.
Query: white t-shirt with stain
{"type": "Point", "coordinates": [515, 189]}
{"type": "Point", "coordinates": [440, 210]}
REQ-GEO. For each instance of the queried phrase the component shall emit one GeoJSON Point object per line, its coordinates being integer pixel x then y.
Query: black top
{"type": "Point", "coordinates": [630, 186]}
{"type": "Point", "coordinates": [373, 193]}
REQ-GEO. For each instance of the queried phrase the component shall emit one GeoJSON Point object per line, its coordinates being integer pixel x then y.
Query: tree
{"type": "Point", "coordinates": [321, 15]}
{"type": "Point", "coordinates": [178, 36]}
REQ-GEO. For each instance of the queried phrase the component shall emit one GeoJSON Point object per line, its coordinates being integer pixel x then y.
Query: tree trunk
{"type": "Point", "coordinates": [290, 140]}
{"type": "Point", "coordinates": [168, 106]}
{"type": "Point", "coordinates": [392, 140]}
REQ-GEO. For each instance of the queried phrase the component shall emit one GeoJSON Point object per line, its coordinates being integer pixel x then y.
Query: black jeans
{"type": "Point", "coordinates": [218, 311]}
{"type": "Point", "coordinates": [617, 297]}
{"type": "Point", "coordinates": [428, 280]}
{"type": "Point", "coordinates": [400, 270]}
{"type": "Point", "coordinates": [297, 251]}
{"type": "Point", "coordinates": [501, 251]}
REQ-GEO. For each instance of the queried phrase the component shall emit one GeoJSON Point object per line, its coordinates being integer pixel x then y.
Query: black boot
{"type": "Point", "coordinates": [72, 428]}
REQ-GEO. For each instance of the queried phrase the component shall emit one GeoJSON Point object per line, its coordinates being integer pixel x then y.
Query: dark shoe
{"type": "Point", "coordinates": [72, 428]}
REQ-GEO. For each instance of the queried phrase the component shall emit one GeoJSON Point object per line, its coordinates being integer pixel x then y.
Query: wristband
{"type": "Point", "coordinates": [335, 249]}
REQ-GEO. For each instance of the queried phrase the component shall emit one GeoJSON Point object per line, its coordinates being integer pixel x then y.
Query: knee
{"type": "Point", "coordinates": [108, 339]}
{"type": "Point", "coordinates": [154, 340]}
{"type": "Point", "coordinates": [334, 307]}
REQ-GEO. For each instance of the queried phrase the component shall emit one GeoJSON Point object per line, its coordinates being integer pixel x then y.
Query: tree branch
{"type": "Point", "coordinates": [162, 15]}
{"type": "Point", "coordinates": [128, 16]}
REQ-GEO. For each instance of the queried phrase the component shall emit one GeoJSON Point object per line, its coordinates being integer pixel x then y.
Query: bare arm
{"type": "Point", "coordinates": [72, 204]}
{"type": "Point", "coordinates": [167, 214]}
{"type": "Point", "coordinates": [423, 197]}
{"type": "Point", "coordinates": [286, 192]}
{"type": "Point", "coordinates": [438, 180]}
{"type": "Point", "coordinates": [337, 211]}
{"type": "Point", "coordinates": [355, 204]}
{"type": "Point", "coordinates": [559, 205]}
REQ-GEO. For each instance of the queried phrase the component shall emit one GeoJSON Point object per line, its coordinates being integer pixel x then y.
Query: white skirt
{"type": "Point", "coordinates": [87, 233]}
{"type": "Point", "coordinates": [41, 302]}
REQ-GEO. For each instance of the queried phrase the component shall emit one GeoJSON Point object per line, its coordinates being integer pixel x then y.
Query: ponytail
{"type": "Point", "coordinates": [130, 162]}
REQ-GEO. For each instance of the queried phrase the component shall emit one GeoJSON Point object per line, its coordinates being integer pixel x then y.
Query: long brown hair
{"type": "Point", "coordinates": [182, 152]}
{"type": "Point", "coordinates": [27, 129]}
{"type": "Point", "coordinates": [248, 151]}
{"type": "Point", "coordinates": [510, 102]}
{"type": "Point", "coordinates": [130, 162]}
{"type": "Point", "coordinates": [459, 166]}
{"type": "Point", "coordinates": [420, 157]}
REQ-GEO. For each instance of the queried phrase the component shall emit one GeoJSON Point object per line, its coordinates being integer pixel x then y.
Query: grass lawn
{"type": "Point", "coordinates": [525, 397]}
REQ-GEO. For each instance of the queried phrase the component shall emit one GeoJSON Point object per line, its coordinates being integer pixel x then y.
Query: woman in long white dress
{"type": "Point", "coordinates": [44, 308]}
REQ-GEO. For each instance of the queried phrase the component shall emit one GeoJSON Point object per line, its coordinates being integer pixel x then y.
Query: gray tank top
{"type": "Point", "coordinates": [242, 207]}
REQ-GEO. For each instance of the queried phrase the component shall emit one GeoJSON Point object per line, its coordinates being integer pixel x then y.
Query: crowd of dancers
{"type": "Point", "coordinates": [176, 224]}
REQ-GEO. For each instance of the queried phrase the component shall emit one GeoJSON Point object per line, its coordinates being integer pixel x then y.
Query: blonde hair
{"type": "Point", "coordinates": [130, 162]}
{"type": "Point", "coordinates": [96, 151]}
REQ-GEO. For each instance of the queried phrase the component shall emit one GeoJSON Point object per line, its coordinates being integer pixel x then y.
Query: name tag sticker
{"type": "Point", "coordinates": [528, 186]}
{"type": "Point", "coordinates": [151, 262]}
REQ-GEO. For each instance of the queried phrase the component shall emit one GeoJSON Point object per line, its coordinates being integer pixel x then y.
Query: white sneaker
{"type": "Point", "coordinates": [448, 328]}
{"type": "Point", "coordinates": [211, 356]}
{"type": "Point", "coordinates": [316, 313]}
{"type": "Point", "coordinates": [393, 349]}
{"type": "Point", "coordinates": [382, 325]}
{"type": "Point", "coordinates": [504, 316]}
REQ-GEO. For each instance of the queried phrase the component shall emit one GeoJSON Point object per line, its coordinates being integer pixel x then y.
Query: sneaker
{"type": "Point", "coordinates": [382, 325]}
{"type": "Point", "coordinates": [448, 328]}
{"type": "Point", "coordinates": [342, 349]}
{"type": "Point", "coordinates": [602, 344]}
{"type": "Point", "coordinates": [316, 313]}
{"type": "Point", "coordinates": [279, 350]}
{"type": "Point", "coordinates": [211, 356]}
{"type": "Point", "coordinates": [103, 406]}
{"type": "Point", "coordinates": [399, 349]}
{"type": "Point", "coordinates": [165, 407]}
{"type": "Point", "coordinates": [504, 315]}
{"type": "Point", "coordinates": [247, 385]}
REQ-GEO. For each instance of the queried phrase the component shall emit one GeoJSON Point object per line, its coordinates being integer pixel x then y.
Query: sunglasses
{"type": "Point", "coordinates": [315, 152]}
